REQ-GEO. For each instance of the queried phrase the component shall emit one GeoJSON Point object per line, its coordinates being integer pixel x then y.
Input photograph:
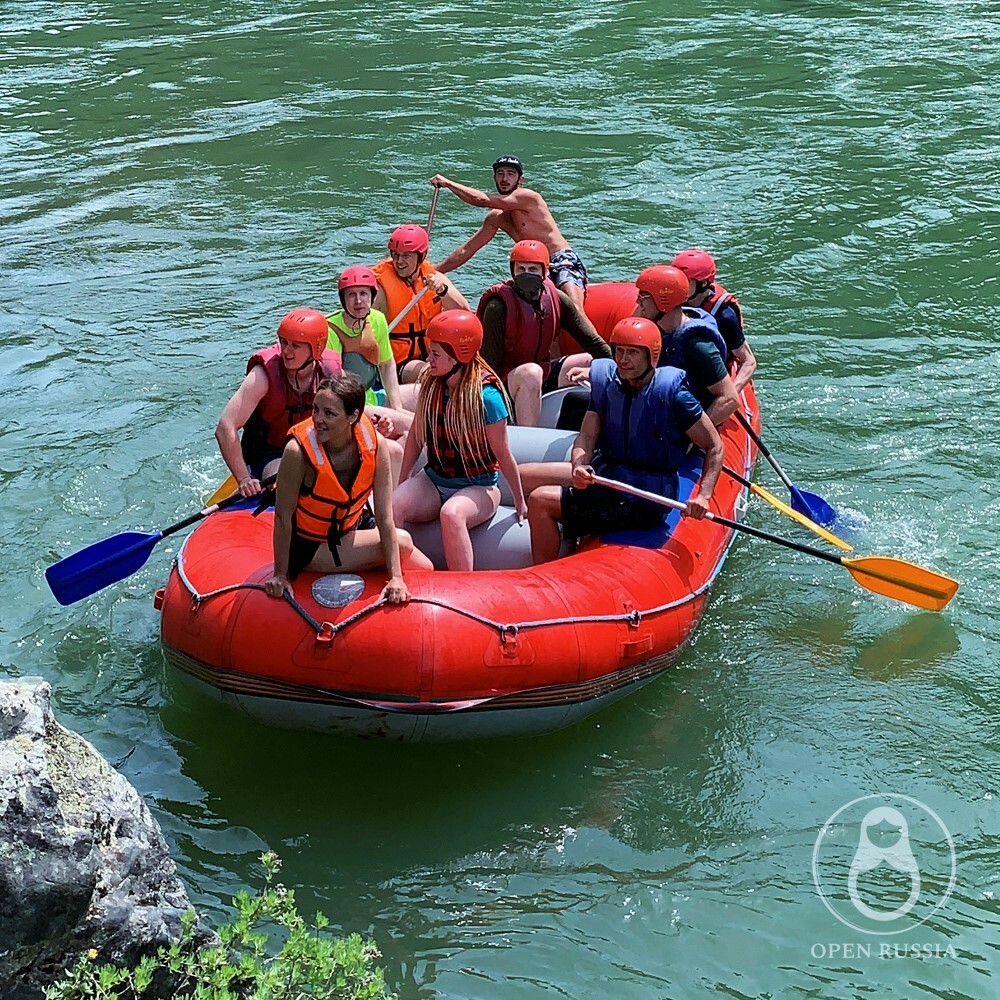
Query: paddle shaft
{"type": "Point", "coordinates": [677, 505]}
{"type": "Point", "coordinates": [409, 305]}
{"type": "Point", "coordinates": [434, 205]}
{"type": "Point", "coordinates": [755, 437]}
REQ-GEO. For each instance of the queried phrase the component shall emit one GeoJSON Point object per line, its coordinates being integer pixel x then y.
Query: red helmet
{"type": "Point", "coordinates": [669, 286]}
{"type": "Point", "coordinates": [357, 274]}
{"type": "Point", "coordinates": [460, 329]}
{"type": "Point", "coordinates": [306, 326]}
{"type": "Point", "coordinates": [530, 252]}
{"type": "Point", "coordinates": [409, 239]}
{"type": "Point", "coordinates": [699, 265]}
{"type": "Point", "coordinates": [634, 331]}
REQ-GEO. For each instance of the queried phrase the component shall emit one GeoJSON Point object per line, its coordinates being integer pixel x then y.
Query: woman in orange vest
{"type": "Point", "coordinates": [332, 463]}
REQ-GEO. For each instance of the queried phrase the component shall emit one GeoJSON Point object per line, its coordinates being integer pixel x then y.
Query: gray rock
{"type": "Point", "coordinates": [83, 864]}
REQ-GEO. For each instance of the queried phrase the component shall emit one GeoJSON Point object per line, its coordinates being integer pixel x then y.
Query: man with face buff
{"type": "Point", "coordinates": [520, 319]}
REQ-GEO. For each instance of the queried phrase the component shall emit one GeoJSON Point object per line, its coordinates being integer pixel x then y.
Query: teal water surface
{"type": "Point", "coordinates": [178, 175]}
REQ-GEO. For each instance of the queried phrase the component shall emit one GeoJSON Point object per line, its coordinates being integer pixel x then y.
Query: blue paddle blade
{"type": "Point", "coordinates": [812, 506]}
{"type": "Point", "coordinates": [99, 565]}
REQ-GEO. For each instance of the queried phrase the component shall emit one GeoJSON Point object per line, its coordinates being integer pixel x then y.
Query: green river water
{"type": "Point", "coordinates": [178, 175]}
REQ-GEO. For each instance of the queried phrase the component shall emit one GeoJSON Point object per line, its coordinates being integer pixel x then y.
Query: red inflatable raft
{"type": "Point", "coordinates": [507, 649]}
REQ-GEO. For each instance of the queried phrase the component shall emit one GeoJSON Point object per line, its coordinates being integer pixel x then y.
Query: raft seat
{"type": "Point", "coordinates": [501, 543]}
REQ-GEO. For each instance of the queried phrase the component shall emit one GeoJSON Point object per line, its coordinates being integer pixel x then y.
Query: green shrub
{"type": "Point", "coordinates": [309, 964]}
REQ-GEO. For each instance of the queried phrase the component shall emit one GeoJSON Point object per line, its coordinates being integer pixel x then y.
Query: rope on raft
{"type": "Point", "coordinates": [505, 630]}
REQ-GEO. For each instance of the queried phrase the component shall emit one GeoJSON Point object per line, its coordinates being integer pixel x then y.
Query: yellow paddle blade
{"type": "Point", "coordinates": [800, 518]}
{"type": "Point", "coordinates": [902, 581]}
{"type": "Point", "coordinates": [228, 488]}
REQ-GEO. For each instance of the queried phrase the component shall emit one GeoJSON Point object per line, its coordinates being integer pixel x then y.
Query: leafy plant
{"type": "Point", "coordinates": [310, 963]}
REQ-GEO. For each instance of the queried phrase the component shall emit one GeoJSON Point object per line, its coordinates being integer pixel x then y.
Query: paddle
{"type": "Point", "coordinates": [809, 504]}
{"type": "Point", "coordinates": [229, 487]}
{"type": "Point", "coordinates": [112, 559]}
{"type": "Point", "coordinates": [895, 578]}
{"type": "Point", "coordinates": [770, 498]}
{"type": "Point", "coordinates": [434, 205]}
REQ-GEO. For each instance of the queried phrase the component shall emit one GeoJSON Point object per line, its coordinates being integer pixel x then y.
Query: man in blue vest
{"type": "Point", "coordinates": [636, 430]}
{"type": "Point", "coordinates": [691, 338]}
{"type": "Point", "coordinates": [707, 294]}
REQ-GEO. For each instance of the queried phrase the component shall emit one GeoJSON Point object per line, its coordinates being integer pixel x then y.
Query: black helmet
{"type": "Point", "coordinates": [508, 161]}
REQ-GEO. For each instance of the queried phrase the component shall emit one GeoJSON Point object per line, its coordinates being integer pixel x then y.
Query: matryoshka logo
{"type": "Point", "coordinates": [883, 864]}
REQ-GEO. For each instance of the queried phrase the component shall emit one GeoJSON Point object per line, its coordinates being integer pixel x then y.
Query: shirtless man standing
{"type": "Point", "coordinates": [523, 215]}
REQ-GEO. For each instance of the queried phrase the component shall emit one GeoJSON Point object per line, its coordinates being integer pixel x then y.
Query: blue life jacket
{"type": "Point", "coordinates": [640, 442]}
{"type": "Point", "coordinates": [697, 323]}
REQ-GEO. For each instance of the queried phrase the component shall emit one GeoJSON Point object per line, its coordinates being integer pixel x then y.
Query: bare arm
{"type": "Point", "coordinates": [472, 245]}
{"type": "Point", "coordinates": [746, 365]}
{"type": "Point", "coordinates": [583, 449]}
{"type": "Point", "coordinates": [237, 412]}
{"type": "Point", "coordinates": [411, 452]}
{"type": "Point", "coordinates": [726, 401]}
{"type": "Point", "coordinates": [395, 590]}
{"type": "Point", "coordinates": [291, 473]}
{"type": "Point", "coordinates": [520, 198]}
{"type": "Point", "coordinates": [445, 290]}
{"type": "Point", "coordinates": [496, 435]}
{"type": "Point", "coordinates": [390, 382]}
{"type": "Point", "coordinates": [706, 437]}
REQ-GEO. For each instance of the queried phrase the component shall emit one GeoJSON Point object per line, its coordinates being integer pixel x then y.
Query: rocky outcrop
{"type": "Point", "coordinates": [83, 864]}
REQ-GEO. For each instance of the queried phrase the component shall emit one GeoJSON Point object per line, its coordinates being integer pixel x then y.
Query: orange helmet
{"type": "Point", "coordinates": [305, 326]}
{"type": "Point", "coordinates": [460, 329]}
{"type": "Point", "coordinates": [697, 264]}
{"type": "Point", "coordinates": [669, 286]}
{"type": "Point", "coordinates": [634, 331]}
{"type": "Point", "coordinates": [409, 239]}
{"type": "Point", "coordinates": [529, 252]}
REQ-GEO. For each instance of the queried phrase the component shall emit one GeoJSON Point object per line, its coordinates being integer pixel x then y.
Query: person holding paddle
{"type": "Point", "coordinates": [277, 392]}
{"type": "Point", "coordinates": [707, 294]}
{"type": "Point", "coordinates": [691, 338]}
{"type": "Point", "coordinates": [523, 215]}
{"type": "Point", "coordinates": [401, 277]}
{"type": "Point", "coordinates": [333, 462]}
{"type": "Point", "coordinates": [636, 429]}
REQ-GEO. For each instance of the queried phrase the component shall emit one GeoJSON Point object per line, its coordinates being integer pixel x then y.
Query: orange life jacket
{"type": "Point", "coordinates": [328, 511]}
{"type": "Point", "coordinates": [407, 340]}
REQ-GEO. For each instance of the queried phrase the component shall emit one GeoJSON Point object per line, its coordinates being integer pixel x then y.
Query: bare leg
{"type": "Point", "coordinates": [535, 474]}
{"type": "Point", "coordinates": [402, 420]}
{"type": "Point", "coordinates": [412, 371]}
{"type": "Point", "coordinates": [417, 500]}
{"type": "Point", "coordinates": [408, 396]}
{"type": "Point", "coordinates": [573, 361]}
{"type": "Point", "coordinates": [362, 549]}
{"type": "Point", "coordinates": [544, 514]}
{"type": "Point", "coordinates": [525, 384]}
{"type": "Point", "coordinates": [459, 513]}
